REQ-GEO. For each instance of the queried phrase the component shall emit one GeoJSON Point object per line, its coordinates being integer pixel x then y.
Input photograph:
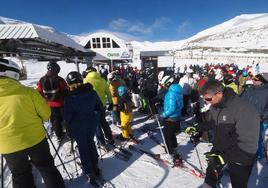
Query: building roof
{"type": "Point", "coordinates": [31, 31]}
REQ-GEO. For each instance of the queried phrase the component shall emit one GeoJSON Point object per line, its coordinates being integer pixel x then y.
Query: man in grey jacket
{"type": "Point", "coordinates": [235, 124]}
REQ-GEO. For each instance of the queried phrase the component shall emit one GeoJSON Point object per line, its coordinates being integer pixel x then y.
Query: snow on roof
{"type": "Point", "coordinates": [31, 31]}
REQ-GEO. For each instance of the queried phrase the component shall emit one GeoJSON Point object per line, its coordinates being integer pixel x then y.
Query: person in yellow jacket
{"type": "Point", "coordinates": [228, 81]}
{"type": "Point", "coordinates": [114, 83]}
{"type": "Point", "coordinates": [101, 87]}
{"type": "Point", "coordinates": [22, 135]}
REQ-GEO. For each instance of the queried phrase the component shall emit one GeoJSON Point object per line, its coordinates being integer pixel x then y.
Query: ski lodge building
{"type": "Point", "coordinates": [110, 50]}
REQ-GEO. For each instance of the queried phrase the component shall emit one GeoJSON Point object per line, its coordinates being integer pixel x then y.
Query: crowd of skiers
{"type": "Point", "coordinates": [230, 106]}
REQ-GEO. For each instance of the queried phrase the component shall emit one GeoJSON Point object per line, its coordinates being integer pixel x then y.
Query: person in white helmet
{"type": "Point", "coordinates": [22, 135]}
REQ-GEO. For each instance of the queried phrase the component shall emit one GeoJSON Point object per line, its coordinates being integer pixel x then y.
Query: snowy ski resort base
{"type": "Point", "coordinates": [141, 170]}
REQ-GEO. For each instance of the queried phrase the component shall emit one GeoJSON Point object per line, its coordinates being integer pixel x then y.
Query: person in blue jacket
{"type": "Point", "coordinates": [82, 111]}
{"type": "Point", "coordinates": [173, 104]}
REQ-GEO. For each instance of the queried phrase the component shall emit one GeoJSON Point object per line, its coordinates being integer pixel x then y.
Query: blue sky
{"type": "Point", "coordinates": [153, 20]}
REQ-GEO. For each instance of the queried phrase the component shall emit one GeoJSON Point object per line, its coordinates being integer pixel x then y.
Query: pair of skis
{"type": "Point", "coordinates": [178, 161]}
{"type": "Point", "coordinates": [121, 153]}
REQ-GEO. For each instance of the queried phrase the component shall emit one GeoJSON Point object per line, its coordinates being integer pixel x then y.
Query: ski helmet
{"type": "Point", "coordinates": [74, 78]}
{"type": "Point", "coordinates": [228, 79]}
{"type": "Point", "coordinates": [121, 90]}
{"type": "Point", "coordinates": [9, 69]}
{"type": "Point", "coordinates": [53, 66]}
{"type": "Point", "coordinates": [167, 81]}
{"type": "Point", "coordinates": [244, 73]}
{"type": "Point", "coordinates": [111, 76]}
{"type": "Point", "coordinates": [88, 70]}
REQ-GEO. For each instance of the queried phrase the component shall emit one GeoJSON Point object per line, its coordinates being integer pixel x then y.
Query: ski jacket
{"type": "Point", "coordinates": [22, 112]}
{"type": "Point", "coordinates": [258, 96]}
{"type": "Point", "coordinates": [100, 86]}
{"type": "Point", "coordinates": [82, 110]}
{"type": "Point", "coordinates": [235, 125]}
{"type": "Point", "coordinates": [233, 86]}
{"type": "Point", "coordinates": [59, 88]}
{"type": "Point", "coordinates": [173, 103]}
{"type": "Point", "coordinates": [113, 86]}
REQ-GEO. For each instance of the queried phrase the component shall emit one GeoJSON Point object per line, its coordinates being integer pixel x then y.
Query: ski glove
{"type": "Point", "coordinates": [190, 130]}
{"type": "Point", "coordinates": [214, 159]}
{"type": "Point", "coordinates": [216, 162]}
{"type": "Point", "coordinates": [110, 107]}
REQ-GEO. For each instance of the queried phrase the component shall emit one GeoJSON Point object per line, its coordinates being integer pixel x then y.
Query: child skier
{"type": "Point", "coordinates": [125, 108]}
{"type": "Point", "coordinates": [82, 112]}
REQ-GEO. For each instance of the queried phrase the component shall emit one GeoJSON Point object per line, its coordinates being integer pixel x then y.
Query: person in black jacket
{"type": "Point", "coordinates": [257, 95]}
{"type": "Point", "coordinates": [82, 112]}
{"type": "Point", "coordinates": [235, 124]}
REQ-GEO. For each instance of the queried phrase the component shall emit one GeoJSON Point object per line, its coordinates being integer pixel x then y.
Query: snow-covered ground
{"type": "Point", "coordinates": [140, 170]}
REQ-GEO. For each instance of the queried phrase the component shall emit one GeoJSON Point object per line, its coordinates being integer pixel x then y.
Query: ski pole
{"type": "Point", "coordinates": [198, 156]}
{"type": "Point", "coordinates": [64, 167]}
{"type": "Point", "coordinates": [2, 171]}
{"type": "Point", "coordinates": [159, 125]}
{"type": "Point", "coordinates": [73, 150]}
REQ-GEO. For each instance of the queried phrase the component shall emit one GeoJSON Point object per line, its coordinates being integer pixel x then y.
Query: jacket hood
{"type": "Point", "coordinates": [175, 88]}
{"type": "Point", "coordinates": [8, 85]}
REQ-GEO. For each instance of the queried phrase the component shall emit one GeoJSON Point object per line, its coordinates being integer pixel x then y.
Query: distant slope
{"type": "Point", "coordinates": [244, 31]}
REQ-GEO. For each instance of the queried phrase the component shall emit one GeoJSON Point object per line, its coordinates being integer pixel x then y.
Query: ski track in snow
{"type": "Point", "coordinates": [141, 170]}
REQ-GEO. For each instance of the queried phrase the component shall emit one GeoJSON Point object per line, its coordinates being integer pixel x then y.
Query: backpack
{"type": "Point", "coordinates": [51, 88]}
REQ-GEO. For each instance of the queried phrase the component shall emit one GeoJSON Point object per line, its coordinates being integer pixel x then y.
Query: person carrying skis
{"type": "Point", "coordinates": [235, 124]}
{"type": "Point", "coordinates": [52, 88]}
{"type": "Point", "coordinates": [125, 108]}
{"type": "Point", "coordinates": [257, 95]}
{"type": "Point", "coordinates": [101, 87]}
{"type": "Point", "coordinates": [173, 104]}
{"type": "Point", "coordinates": [22, 135]}
{"type": "Point", "coordinates": [82, 112]}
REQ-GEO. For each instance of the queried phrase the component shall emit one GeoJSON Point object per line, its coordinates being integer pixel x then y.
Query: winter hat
{"type": "Point", "coordinates": [263, 77]}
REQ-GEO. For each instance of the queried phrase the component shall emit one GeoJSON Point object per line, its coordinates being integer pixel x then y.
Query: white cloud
{"type": "Point", "coordinates": [119, 24]}
{"type": "Point", "coordinates": [138, 27]}
{"type": "Point", "coordinates": [183, 26]}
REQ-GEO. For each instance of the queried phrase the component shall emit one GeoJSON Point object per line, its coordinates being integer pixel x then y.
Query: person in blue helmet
{"type": "Point", "coordinates": [125, 108]}
{"type": "Point", "coordinates": [173, 104]}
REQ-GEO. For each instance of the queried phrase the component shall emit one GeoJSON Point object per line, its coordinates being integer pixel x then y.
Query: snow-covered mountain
{"type": "Point", "coordinates": [244, 33]}
{"type": "Point", "coordinates": [247, 31]}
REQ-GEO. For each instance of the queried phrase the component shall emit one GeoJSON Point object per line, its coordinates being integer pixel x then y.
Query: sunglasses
{"type": "Point", "coordinates": [208, 99]}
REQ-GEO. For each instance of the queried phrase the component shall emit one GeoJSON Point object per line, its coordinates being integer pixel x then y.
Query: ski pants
{"type": "Point", "coordinates": [239, 175]}
{"type": "Point", "coordinates": [21, 168]}
{"type": "Point", "coordinates": [57, 121]}
{"type": "Point", "coordinates": [116, 115]}
{"type": "Point", "coordinates": [126, 119]}
{"type": "Point", "coordinates": [87, 150]}
{"type": "Point", "coordinates": [261, 146]}
{"type": "Point", "coordinates": [170, 128]}
{"type": "Point", "coordinates": [104, 128]}
{"type": "Point", "coordinates": [186, 99]}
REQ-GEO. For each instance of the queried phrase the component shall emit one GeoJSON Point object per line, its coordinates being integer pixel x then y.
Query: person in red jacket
{"type": "Point", "coordinates": [52, 88]}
